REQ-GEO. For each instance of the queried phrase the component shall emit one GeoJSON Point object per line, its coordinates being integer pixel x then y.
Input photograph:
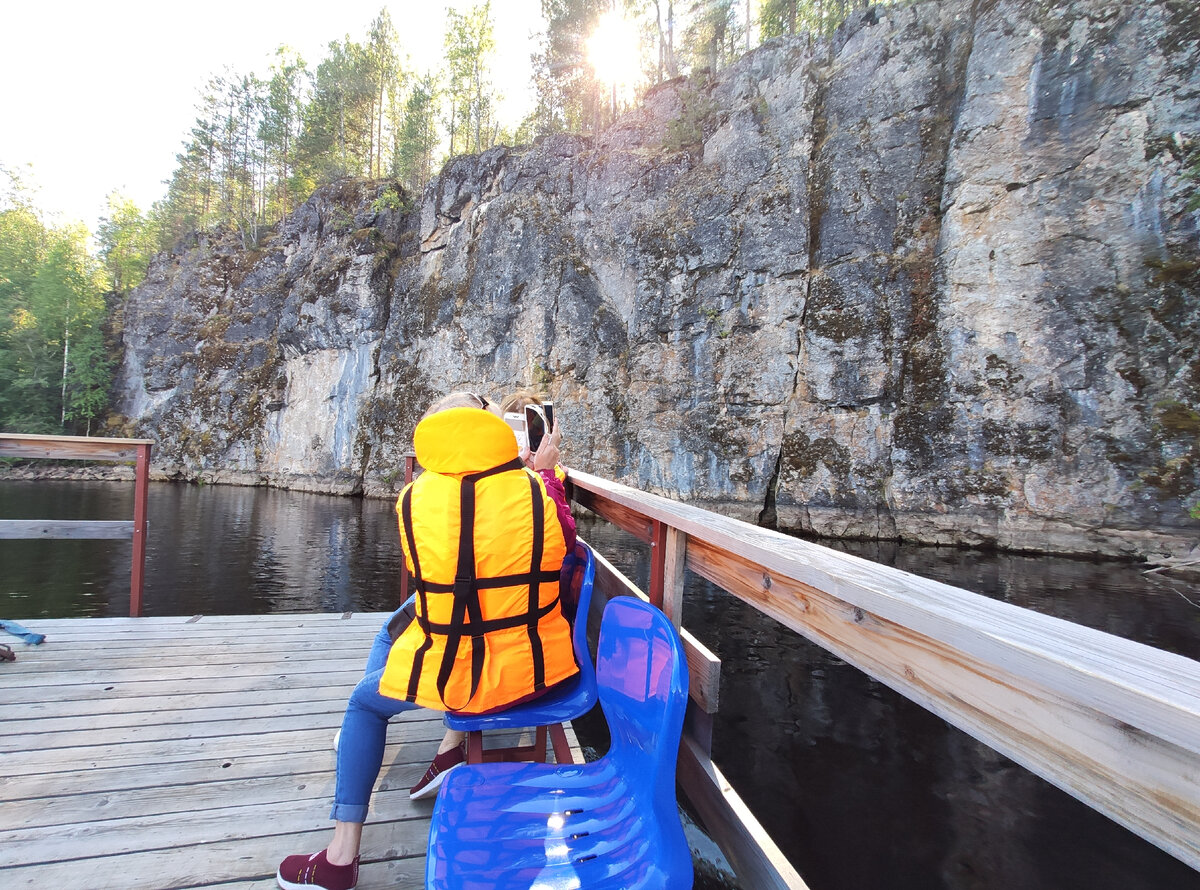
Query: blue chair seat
{"type": "Point", "coordinates": [608, 825]}
{"type": "Point", "coordinates": [564, 703]}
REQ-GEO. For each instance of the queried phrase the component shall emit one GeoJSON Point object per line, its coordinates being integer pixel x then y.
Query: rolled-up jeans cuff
{"type": "Point", "coordinates": [346, 812]}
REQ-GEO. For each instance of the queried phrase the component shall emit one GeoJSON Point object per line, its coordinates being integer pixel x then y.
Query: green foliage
{"type": "Point", "coordinates": [417, 137]}
{"type": "Point", "coordinates": [259, 147]}
{"type": "Point", "coordinates": [469, 45]}
{"type": "Point", "coordinates": [569, 98]}
{"type": "Point", "coordinates": [392, 198]}
{"type": "Point", "coordinates": [686, 132]}
{"type": "Point", "coordinates": [1191, 172]}
{"type": "Point", "coordinates": [128, 240]}
{"type": "Point", "coordinates": [822, 17]}
{"type": "Point", "coordinates": [279, 129]}
{"type": "Point", "coordinates": [54, 372]}
{"type": "Point", "coordinates": [712, 38]}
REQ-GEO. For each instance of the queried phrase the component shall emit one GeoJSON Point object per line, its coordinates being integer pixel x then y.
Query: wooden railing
{"type": "Point", "coordinates": [1113, 722]}
{"type": "Point", "coordinates": [88, 448]}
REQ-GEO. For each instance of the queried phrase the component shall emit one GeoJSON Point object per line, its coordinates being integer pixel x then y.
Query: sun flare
{"type": "Point", "coordinates": [613, 50]}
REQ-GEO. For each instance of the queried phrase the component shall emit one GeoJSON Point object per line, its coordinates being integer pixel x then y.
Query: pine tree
{"type": "Point", "coordinates": [712, 37]}
{"type": "Point", "coordinates": [417, 139]}
{"type": "Point", "coordinates": [338, 119]}
{"type": "Point", "coordinates": [280, 128]}
{"type": "Point", "coordinates": [385, 70]}
{"type": "Point", "coordinates": [568, 96]}
{"type": "Point", "coordinates": [469, 45]}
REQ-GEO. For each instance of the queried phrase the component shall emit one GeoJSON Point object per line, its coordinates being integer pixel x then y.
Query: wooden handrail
{"type": "Point", "coordinates": [88, 448]}
{"type": "Point", "coordinates": [1113, 722]}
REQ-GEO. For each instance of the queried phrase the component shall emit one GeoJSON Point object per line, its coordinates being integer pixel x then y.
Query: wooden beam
{"type": "Point", "coordinates": [69, 447]}
{"type": "Point", "coordinates": [755, 858]}
{"type": "Point", "coordinates": [704, 668]}
{"type": "Point", "coordinates": [1113, 722]}
{"type": "Point", "coordinates": [623, 518]}
{"type": "Point", "coordinates": [76, 529]}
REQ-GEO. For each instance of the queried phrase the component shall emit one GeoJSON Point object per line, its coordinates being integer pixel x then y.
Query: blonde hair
{"type": "Point", "coordinates": [453, 400]}
{"type": "Point", "coordinates": [515, 402]}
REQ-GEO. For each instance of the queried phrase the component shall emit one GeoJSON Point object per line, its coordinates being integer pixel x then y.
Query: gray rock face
{"type": "Point", "coordinates": [935, 279]}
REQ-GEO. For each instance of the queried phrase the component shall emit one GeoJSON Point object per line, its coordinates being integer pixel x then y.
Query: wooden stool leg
{"type": "Point", "coordinates": [475, 747]}
{"type": "Point", "coordinates": [562, 748]}
{"type": "Point", "coordinates": [539, 745]}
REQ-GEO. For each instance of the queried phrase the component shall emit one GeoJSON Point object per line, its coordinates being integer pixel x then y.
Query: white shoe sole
{"type": "Point", "coordinates": [288, 885]}
{"type": "Point", "coordinates": [434, 784]}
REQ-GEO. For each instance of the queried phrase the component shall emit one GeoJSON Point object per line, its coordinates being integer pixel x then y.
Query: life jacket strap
{"type": "Point", "coordinates": [466, 611]}
{"type": "Point", "coordinates": [535, 564]}
{"type": "Point", "coordinates": [518, 580]}
{"type": "Point", "coordinates": [414, 676]}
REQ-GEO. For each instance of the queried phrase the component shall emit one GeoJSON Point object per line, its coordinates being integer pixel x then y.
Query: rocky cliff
{"type": "Point", "coordinates": [936, 278]}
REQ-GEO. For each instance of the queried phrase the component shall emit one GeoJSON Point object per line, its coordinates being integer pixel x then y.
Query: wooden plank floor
{"type": "Point", "coordinates": [173, 752]}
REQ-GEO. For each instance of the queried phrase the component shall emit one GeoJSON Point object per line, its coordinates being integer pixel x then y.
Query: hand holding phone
{"type": "Point", "coordinates": [546, 457]}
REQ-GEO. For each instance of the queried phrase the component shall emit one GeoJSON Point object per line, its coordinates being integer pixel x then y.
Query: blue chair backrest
{"type": "Point", "coordinates": [575, 591]}
{"type": "Point", "coordinates": [643, 686]}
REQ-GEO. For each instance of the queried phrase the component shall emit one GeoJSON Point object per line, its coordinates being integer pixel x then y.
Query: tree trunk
{"type": "Point", "coordinates": [379, 131]}
{"type": "Point", "coordinates": [662, 43]}
{"type": "Point", "coordinates": [672, 70]}
{"type": "Point", "coordinates": [66, 353]}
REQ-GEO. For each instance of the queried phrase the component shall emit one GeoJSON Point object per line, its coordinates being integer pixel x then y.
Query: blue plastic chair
{"type": "Point", "coordinates": [608, 825]}
{"type": "Point", "coordinates": [549, 712]}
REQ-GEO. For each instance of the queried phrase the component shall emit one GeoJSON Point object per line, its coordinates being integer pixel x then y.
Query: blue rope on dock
{"type": "Point", "coordinates": [24, 633]}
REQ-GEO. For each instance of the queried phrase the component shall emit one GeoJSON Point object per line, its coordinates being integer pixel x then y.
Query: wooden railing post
{"type": "Point", "coordinates": [140, 528]}
{"type": "Point", "coordinates": [658, 562]}
{"type": "Point", "coordinates": [674, 556]}
{"type": "Point", "coordinates": [89, 448]}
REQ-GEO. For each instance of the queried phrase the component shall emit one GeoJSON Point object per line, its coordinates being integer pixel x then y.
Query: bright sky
{"type": "Point", "coordinates": [99, 95]}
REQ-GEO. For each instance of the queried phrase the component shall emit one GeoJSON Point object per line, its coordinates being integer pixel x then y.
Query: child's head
{"type": "Point", "coordinates": [515, 402]}
{"type": "Point", "coordinates": [455, 400]}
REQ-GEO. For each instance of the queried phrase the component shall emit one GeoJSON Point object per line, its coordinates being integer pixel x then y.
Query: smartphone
{"type": "Point", "coordinates": [516, 422]}
{"type": "Point", "coordinates": [535, 426]}
{"type": "Point", "coordinates": [548, 410]}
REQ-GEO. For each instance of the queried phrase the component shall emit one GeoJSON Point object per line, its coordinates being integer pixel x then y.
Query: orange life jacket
{"type": "Point", "coordinates": [483, 542]}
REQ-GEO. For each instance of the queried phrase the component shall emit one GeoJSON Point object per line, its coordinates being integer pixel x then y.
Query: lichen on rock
{"type": "Point", "coordinates": [934, 278]}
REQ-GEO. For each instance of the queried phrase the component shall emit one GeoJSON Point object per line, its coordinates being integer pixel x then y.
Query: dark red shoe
{"type": "Point", "coordinates": [432, 780]}
{"type": "Point", "coordinates": [314, 872]}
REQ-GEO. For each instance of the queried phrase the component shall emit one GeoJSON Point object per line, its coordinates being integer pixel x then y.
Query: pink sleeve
{"type": "Point", "coordinates": [555, 489]}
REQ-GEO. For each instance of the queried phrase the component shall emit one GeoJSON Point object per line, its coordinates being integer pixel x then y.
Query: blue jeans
{"type": "Point", "coordinates": [364, 734]}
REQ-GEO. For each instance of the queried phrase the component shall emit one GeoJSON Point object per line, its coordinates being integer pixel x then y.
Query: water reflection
{"type": "Point", "coordinates": [861, 788]}
{"type": "Point", "coordinates": [223, 550]}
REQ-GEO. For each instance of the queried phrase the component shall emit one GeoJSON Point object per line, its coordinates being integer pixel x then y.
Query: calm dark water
{"type": "Point", "coordinates": [861, 788]}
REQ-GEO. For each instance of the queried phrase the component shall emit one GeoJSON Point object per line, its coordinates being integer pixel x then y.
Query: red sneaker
{"type": "Point", "coordinates": [432, 780]}
{"type": "Point", "coordinates": [314, 872]}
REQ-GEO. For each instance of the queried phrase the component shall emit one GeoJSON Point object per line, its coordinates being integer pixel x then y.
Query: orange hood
{"type": "Point", "coordinates": [459, 441]}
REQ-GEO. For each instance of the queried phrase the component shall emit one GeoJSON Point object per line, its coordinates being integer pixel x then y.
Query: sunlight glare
{"type": "Point", "coordinates": [613, 50]}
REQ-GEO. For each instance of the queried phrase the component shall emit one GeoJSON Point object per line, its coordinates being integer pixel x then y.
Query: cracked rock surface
{"type": "Point", "coordinates": [936, 278]}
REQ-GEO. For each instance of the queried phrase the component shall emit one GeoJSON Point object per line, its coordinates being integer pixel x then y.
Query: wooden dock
{"type": "Point", "coordinates": [175, 752]}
